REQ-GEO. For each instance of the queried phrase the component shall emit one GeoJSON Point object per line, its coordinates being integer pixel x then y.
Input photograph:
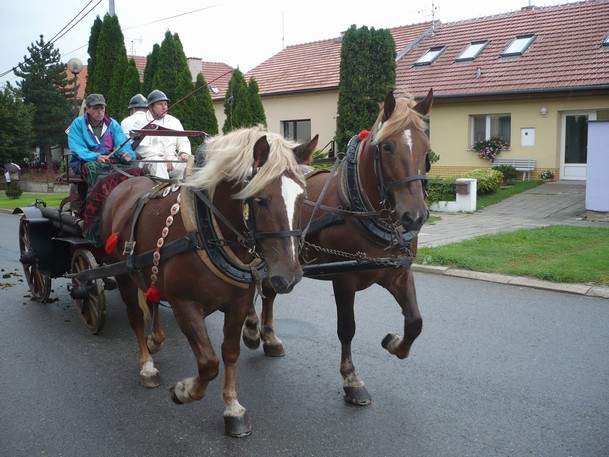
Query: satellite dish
{"type": "Point", "coordinates": [75, 66]}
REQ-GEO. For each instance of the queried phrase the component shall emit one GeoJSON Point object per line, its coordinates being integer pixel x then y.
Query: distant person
{"type": "Point", "coordinates": [138, 106]}
{"type": "Point", "coordinates": [171, 149]}
{"type": "Point", "coordinates": [7, 176]}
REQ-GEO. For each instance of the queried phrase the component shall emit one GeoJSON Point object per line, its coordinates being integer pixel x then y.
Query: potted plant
{"type": "Point", "coordinates": [490, 149]}
{"type": "Point", "coordinates": [547, 175]}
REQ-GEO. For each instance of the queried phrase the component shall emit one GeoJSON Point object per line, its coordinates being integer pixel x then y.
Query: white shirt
{"type": "Point", "coordinates": [134, 122]}
{"type": "Point", "coordinates": [167, 147]}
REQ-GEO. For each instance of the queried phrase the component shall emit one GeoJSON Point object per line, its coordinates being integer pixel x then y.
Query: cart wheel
{"type": "Point", "coordinates": [39, 284]}
{"type": "Point", "coordinates": [89, 296]}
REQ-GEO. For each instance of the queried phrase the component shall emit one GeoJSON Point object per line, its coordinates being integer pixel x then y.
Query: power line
{"type": "Point", "coordinates": [59, 34]}
{"type": "Point", "coordinates": [172, 17]}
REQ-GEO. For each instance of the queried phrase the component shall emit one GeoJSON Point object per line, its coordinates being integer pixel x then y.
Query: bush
{"type": "Point", "coordinates": [14, 191]}
{"type": "Point", "coordinates": [439, 190]}
{"type": "Point", "coordinates": [489, 179]}
{"type": "Point", "coordinates": [509, 172]}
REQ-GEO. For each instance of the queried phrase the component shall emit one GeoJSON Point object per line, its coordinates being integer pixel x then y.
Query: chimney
{"type": "Point", "coordinates": [195, 65]}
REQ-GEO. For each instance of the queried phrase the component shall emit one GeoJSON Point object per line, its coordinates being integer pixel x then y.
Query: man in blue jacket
{"type": "Point", "coordinates": [92, 138]}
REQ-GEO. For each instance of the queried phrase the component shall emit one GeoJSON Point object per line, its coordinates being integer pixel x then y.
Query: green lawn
{"type": "Point", "coordinates": [27, 198]}
{"type": "Point", "coordinates": [556, 253]}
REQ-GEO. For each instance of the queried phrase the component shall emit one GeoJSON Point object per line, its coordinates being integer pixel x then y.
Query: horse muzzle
{"type": "Point", "coordinates": [284, 284]}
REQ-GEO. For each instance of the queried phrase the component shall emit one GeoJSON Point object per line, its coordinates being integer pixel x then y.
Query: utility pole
{"type": "Point", "coordinates": [111, 8]}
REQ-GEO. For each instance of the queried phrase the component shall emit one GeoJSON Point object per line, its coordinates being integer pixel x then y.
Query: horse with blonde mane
{"type": "Point", "coordinates": [213, 237]}
{"type": "Point", "coordinates": [369, 211]}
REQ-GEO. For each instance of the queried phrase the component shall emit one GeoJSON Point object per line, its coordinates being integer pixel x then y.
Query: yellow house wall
{"type": "Point", "coordinates": [319, 107]}
{"type": "Point", "coordinates": [450, 131]}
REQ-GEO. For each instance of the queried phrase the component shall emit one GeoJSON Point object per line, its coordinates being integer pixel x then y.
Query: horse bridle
{"type": "Point", "coordinates": [385, 188]}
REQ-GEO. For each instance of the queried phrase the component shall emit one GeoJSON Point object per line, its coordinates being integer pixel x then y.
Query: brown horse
{"type": "Point", "coordinates": [374, 205]}
{"type": "Point", "coordinates": [247, 196]}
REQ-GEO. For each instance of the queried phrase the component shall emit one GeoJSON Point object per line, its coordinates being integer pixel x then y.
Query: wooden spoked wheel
{"type": "Point", "coordinates": [39, 284]}
{"type": "Point", "coordinates": [89, 296]}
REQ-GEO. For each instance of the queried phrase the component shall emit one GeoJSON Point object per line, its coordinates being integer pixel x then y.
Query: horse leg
{"type": "Point", "coordinates": [155, 340]}
{"type": "Point", "coordinates": [149, 375]}
{"type": "Point", "coordinates": [403, 290]}
{"type": "Point", "coordinates": [355, 390]}
{"type": "Point", "coordinates": [272, 345]}
{"type": "Point", "coordinates": [251, 333]}
{"type": "Point", "coordinates": [192, 325]}
{"type": "Point", "coordinates": [236, 420]}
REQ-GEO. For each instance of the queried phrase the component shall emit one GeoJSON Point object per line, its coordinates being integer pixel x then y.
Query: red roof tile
{"type": "Point", "coordinates": [567, 53]}
{"type": "Point", "coordinates": [315, 66]}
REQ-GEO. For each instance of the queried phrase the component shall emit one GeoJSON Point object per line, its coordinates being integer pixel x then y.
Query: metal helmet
{"type": "Point", "coordinates": [157, 96]}
{"type": "Point", "coordinates": [138, 101]}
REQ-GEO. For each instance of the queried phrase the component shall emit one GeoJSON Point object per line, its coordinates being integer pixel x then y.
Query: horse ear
{"type": "Point", "coordinates": [261, 152]}
{"type": "Point", "coordinates": [424, 106]}
{"type": "Point", "coordinates": [304, 152]}
{"type": "Point", "coordinates": [388, 105]}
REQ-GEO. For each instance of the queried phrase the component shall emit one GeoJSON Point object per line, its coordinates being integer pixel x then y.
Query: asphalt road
{"type": "Point", "coordinates": [498, 371]}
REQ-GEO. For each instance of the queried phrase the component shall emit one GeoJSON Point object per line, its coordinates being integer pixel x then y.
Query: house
{"type": "Point", "coordinates": [534, 76]}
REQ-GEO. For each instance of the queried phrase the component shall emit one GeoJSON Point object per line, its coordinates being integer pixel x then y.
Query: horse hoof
{"type": "Point", "coordinates": [275, 350]}
{"type": "Point", "coordinates": [151, 380]}
{"type": "Point", "coordinates": [388, 339]}
{"type": "Point", "coordinates": [251, 343]}
{"type": "Point", "coordinates": [174, 397]}
{"type": "Point", "coordinates": [357, 395]}
{"type": "Point", "coordinates": [237, 426]}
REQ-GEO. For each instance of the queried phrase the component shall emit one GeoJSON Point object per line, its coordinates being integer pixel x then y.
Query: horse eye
{"type": "Point", "coordinates": [262, 202]}
{"type": "Point", "coordinates": [387, 148]}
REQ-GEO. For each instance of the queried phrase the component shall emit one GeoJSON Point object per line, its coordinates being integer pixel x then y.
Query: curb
{"type": "Point", "coordinates": [587, 290]}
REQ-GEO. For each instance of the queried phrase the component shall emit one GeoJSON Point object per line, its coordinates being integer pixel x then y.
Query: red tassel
{"type": "Point", "coordinates": [111, 243]}
{"type": "Point", "coordinates": [364, 134]}
{"type": "Point", "coordinates": [153, 295]}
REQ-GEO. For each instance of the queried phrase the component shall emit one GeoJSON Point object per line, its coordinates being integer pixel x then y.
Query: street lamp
{"type": "Point", "coordinates": [75, 66]}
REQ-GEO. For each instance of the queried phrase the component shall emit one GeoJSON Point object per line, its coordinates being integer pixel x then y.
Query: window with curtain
{"type": "Point", "coordinates": [485, 126]}
{"type": "Point", "coordinates": [299, 131]}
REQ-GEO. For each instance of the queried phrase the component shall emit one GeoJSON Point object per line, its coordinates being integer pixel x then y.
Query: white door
{"type": "Point", "coordinates": [574, 144]}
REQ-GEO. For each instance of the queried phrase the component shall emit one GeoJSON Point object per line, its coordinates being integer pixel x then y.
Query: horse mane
{"type": "Point", "coordinates": [230, 157]}
{"type": "Point", "coordinates": [402, 116]}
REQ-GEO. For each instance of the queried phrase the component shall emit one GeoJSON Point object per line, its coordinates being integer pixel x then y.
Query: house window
{"type": "Point", "coordinates": [472, 51]}
{"type": "Point", "coordinates": [431, 55]}
{"type": "Point", "coordinates": [299, 131]}
{"type": "Point", "coordinates": [484, 126]}
{"type": "Point", "coordinates": [519, 45]}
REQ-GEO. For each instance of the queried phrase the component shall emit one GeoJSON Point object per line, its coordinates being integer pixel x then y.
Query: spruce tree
{"type": "Point", "coordinates": [367, 73]}
{"type": "Point", "coordinates": [117, 103]}
{"type": "Point", "coordinates": [237, 103]}
{"type": "Point", "coordinates": [257, 109]}
{"type": "Point", "coordinates": [15, 126]}
{"type": "Point", "coordinates": [44, 86]}
{"type": "Point", "coordinates": [92, 51]}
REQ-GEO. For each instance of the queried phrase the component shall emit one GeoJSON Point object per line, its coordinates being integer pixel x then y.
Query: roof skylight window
{"type": "Point", "coordinates": [473, 50]}
{"type": "Point", "coordinates": [431, 55]}
{"type": "Point", "coordinates": [606, 41]}
{"type": "Point", "coordinates": [519, 45]}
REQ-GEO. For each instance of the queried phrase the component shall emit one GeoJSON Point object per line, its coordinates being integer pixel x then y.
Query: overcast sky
{"type": "Point", "coordinates": [240, 33]}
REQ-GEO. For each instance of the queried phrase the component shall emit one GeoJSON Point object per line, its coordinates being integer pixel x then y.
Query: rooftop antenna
{"type": "Point", "coordinates": [282, 31]}
{"type": "Point", "coordinates": [424, 13]}
{"type": "Point", "coordinates": [137, 40]}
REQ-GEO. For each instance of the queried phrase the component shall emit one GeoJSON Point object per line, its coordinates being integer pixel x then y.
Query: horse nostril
{"type": "Point", "coordinates": [283, 285]}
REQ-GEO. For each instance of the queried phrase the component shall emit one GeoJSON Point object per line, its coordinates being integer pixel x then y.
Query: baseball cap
{"type": "Point", "coordinates": [95, 99]}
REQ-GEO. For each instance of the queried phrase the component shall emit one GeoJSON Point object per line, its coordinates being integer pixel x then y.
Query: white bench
{"type": "Point", "coordinates": [524, 165]}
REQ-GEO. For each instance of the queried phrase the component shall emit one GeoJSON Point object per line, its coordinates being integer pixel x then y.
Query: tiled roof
{"type": "Point", "coordinates": [315, 66]}
{"type": "Point", "coordinates": [567, 53]}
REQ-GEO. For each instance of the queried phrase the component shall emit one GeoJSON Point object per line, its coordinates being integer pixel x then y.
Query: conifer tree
{"type": "Point", "coordinates": [173, 76]}
{"type": "Point", "coordinates": [257, 109]}
{"type": "Point", "coordinates": [367, 73]}
{"type": "Point", "coordinates": [237, 103]}
{"type": "Point", "coordinates": [152, 65]}
{"type": "Point", "coordinates": [15, 126]}
{"type": "Point", "coordinates": [44, 86]}
{"type": "Point", "coordinates": [202, 109]}
{"type": "Point", "coordinates": [131, 86]}
{"type": "Point", "coordinates": [92, 51]}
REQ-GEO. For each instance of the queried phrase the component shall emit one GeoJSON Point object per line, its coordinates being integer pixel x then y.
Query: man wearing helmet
{"type": "Point", "coordinates": [170, 148]}
{"type": "Point", "coordinates": [138, 105]}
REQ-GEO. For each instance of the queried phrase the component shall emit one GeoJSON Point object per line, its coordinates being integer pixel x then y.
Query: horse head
{"type": "Point", "coordinates": [400, 149]}
{"type": "Point", "coordinates": [273, 200]}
